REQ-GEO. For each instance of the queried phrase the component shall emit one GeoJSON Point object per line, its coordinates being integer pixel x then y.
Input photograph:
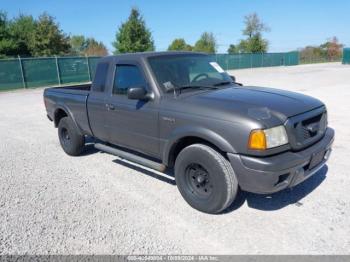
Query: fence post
{"type": "Point", "coordinates": [58, 71]}
{"type": "Point", "coordinates": [88, 66]}
{"type": "Point", "coordinates": [22, 74]}
{"type": "Point", "coordinates": [289, 59]}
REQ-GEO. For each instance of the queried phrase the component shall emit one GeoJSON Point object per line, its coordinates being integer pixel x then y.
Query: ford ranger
{"type": "Point", "coordinates": [182, 111]}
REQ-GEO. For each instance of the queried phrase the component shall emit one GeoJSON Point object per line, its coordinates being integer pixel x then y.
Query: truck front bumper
{"type": "Point", "coordinates": [266, 175]}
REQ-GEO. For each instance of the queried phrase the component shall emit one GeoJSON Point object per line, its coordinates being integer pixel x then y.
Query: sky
{"type": "Point", "coordinates": [293, 23]}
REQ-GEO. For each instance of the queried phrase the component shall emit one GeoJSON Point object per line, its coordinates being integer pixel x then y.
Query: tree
{"type": "Point", "coordinates": [95, 48]}
{"type": "Point", "coordinates": [7, 45]}
{"type": "Point", "coordinates": [21, 30]}
{"type": "Point", "coordinates": [328, 51]}
{"type": "Point", "coordinates": [179, 44]}
{"type": "Point", "coordinates": [311, 54]}
{"type": "Point", "coordinates": [333, 48]}
{"type": "Point", "coordinates": [133, 35]}
{"type": "Point", "coordinates": [233, 49]}
{"type": "Point", "coordinates": [87, 46]}
{"type": "Point", "coordinates": [253, 26]}
{"type": "Point", "coordinates": [78, 44]}
{"type": "Point", "coordinates": [254, 43]}
{"type": "Point", "coordinates": [206, 43]}
{"type": "Point", "coordinates": [26, 36]}
{"type": "Point", "coordinates": [48, 39]}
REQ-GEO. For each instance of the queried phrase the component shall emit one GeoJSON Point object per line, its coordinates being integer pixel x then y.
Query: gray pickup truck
{"type": "Point", "coordinates": [181, 110]}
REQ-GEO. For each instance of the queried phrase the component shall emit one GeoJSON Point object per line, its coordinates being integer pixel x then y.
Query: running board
{"type": "Point", "coordinates": [131, 157]}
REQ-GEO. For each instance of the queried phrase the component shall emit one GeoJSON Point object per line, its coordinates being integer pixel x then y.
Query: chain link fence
{"type": "Point", "coordinates": [51, 71]}
{"type": "Point", "coordinates": [48, 71]}
{"type": "Point", "coordinates": [240, 61]}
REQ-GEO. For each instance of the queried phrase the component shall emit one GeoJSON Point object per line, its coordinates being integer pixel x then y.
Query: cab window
{"type": "Point", "coordinates": [100, 77]}
{"type": "Point", "coordinates": [127, 76]}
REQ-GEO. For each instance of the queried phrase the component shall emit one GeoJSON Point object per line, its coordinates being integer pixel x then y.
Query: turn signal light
{"type": "Point", "coordinates": [257, 140]}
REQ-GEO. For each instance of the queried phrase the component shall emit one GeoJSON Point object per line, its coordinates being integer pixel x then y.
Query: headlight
{"type": "Point", "coordinates": [267, 138]}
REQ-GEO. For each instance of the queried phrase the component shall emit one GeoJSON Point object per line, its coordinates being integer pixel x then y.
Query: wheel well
{"type": "Point", "coordinates": [187, 141]}
{"type": "Point", "coordinates": [59, 114]}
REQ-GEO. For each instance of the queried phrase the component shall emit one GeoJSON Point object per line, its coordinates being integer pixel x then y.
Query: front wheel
{"type": "Point", "coordinates": [71, 141]}
{"type": "Point", "coordinates": [205, 178]}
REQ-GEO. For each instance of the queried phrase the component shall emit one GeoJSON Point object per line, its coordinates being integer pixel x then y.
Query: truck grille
{"type": "Point", "coordinates": [306, 129]}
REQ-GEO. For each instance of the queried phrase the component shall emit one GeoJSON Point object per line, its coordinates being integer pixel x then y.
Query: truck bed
{"type": "Point", "coordinates": [74, 97]}
{"type": "Point", "coordinates": [83, 89]}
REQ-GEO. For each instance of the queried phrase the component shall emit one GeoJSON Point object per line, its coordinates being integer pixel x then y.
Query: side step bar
{"type": "Point", "coordinates": [131, 157]}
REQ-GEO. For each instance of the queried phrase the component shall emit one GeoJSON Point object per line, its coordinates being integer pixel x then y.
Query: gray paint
{"type": "Point", "coordinates": [223, 117]}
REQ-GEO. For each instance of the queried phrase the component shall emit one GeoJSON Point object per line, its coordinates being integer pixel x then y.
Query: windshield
{"type": "Point", "coordinates": [189, 70]}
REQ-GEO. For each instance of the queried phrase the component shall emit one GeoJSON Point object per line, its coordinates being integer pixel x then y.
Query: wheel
{"type": "Point", "coordinates": [205, 178]}
{"type": "Point", "coordinates": [71, 141]}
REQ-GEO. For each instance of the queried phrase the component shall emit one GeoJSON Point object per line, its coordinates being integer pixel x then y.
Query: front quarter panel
{"type": "Point", "coordinates": [228, 136]}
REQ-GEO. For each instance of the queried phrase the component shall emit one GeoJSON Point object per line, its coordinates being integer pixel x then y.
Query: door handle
{"type": "Point", "coordinates": [110, 106]}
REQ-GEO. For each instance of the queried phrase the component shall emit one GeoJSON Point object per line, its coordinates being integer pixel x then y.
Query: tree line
{"type": "Point", "coordinates": [42, 36]}
{"type": "Point", "coordinates": [331, 50]}
{"type": "Point", "coordinates": [25, 35]}
{"type": "Point", "coordinates": [134, 36]}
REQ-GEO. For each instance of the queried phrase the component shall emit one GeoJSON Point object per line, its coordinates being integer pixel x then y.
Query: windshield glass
{"type": "Point", "coordinates": [194, 70]}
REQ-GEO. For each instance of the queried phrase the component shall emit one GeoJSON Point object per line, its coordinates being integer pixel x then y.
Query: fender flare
{"type": "Point", "coordinates": [198, 132]}
{"type": "Point", "coordinates": [69, 114]}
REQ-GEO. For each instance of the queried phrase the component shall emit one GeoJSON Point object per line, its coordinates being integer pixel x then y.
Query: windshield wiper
{"type": "Point", "coordinates": [195, 86]}
{"type": "Point", "coordinates": [199, 87]}
{"type": "Point", "coordinates": [223, 83]}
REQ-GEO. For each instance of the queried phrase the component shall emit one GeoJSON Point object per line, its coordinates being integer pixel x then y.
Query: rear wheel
{"type": "Point", "coordinates": [205, 178]}
{"type": "Point", "coordinates": [71, 141]}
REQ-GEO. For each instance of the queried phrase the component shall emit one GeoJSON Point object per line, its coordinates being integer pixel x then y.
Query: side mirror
{"type": "Point", "coordinates": [138, 93]}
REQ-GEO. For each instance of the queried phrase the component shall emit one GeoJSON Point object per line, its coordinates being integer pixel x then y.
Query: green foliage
{"type": "Point", "coordinates": [233, 49]}
{"type": "Point", "coordinates": [254, 43]}
{"type": "Point", "coordinates": [21, 30]}
{"type": "Point", "coordinates": [48, 39]}
{"type": "Point", "coordinates": [206, 43]}
{"type": "Point", "coordinates": [82, 46]}
{"type": "Point", "coordinates": [179, 44]}
{"type": "Point", "coordinates": [7, 45]}
{"type": "Point", "coordinates": [133, 35]}
{"type": "Point", "coordinates": [253, 26]}
{"type": "Point", "coordinates": [25, 36]}
{"type": "Point", "coordinates": [95, 48]}
{"type": "Point", "coordinates": [331, 50]}
{"type": "Point", "coordinates": [77, 44]}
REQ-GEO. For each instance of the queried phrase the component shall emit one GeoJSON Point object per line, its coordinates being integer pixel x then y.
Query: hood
{"type": "Point", "coordinates": [256, 102]}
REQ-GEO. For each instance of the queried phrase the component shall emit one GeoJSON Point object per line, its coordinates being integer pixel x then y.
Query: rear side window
{"type": "Point", "coordinates": [100, 77]}
{"type": "Point", "coordinates": [127, 76]}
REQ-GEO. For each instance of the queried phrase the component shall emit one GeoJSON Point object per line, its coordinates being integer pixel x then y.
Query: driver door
{"type": "Point", "coordinates": [131, 123]}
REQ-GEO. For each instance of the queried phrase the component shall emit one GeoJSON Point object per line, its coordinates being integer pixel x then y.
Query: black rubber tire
{"type": "Point", "coordinates": [71, 141]}
{"type": "Point", "coordinates": [222, 181]}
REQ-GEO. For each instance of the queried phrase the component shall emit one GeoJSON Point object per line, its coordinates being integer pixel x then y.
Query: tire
{"type": "Point", "coordinates": [205, 178]}
{"type": "Point", "coordinates": [71, 141]}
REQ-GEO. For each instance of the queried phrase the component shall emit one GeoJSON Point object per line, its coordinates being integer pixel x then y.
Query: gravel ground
{"type": "Point", "coordinates": [51, 203]}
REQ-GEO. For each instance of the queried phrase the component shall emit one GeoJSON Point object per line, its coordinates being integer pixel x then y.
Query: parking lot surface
{"type": "Point", "coordinates": [51, 203]}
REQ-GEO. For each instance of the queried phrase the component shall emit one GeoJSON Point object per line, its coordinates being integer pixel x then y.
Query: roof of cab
{"type": "Point", "coordinates": [149, 54]}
